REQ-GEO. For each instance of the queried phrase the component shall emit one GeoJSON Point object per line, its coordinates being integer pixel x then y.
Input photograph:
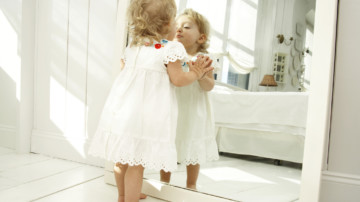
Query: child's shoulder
{"type": "Point", "coordinates": [168, 44]}
{"type": "Point", "coordinates": [172, 51]}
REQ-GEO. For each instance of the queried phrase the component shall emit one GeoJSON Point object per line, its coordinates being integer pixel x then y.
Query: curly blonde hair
{"type": "Point", "coordinates": [148, 19]}
{"type": "Point", "coordinates": [203, 25]}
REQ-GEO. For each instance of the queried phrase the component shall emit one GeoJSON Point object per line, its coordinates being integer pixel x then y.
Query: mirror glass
{"type": "Point", "coordinates": [260, 129]}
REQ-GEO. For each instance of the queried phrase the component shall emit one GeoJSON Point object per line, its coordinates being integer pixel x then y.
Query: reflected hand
{"type": "Point", "coordinates": [201, 66]}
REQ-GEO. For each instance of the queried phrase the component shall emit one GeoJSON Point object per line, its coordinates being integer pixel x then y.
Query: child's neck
{"type": "Point", "coordinates": [192, 51]}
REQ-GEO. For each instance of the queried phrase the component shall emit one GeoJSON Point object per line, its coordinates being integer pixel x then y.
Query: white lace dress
{"type": "Point", "coordinates": [138, 122]}
{"type": "Point", "coordinates": [195, 134]}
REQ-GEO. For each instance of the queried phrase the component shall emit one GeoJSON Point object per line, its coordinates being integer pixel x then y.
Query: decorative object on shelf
{"type": "Point", "coordinates": [299, 29]}
{"type": "Point", "coordinates": [295, 81]}
{"type": "Point", "coordinates": [299, 44]}
{"type": "Point", "coordinates": [293, 51]}
{"type": "Point", "coordinates": [282, 39]}
{"type": "Point", "coordinates": [296, 63]}
{"type": "Point", "coordinates": [268, 81]}
{"type": "Point", "coordinates": [291, 70]}
{"type": "Point", "coordinates": [305, 52]}
{"type": "Point", "coordinates": [279, 67]}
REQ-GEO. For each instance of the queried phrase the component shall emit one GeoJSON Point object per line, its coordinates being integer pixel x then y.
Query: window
{"type": "Point", "coordinates": [233, 31]}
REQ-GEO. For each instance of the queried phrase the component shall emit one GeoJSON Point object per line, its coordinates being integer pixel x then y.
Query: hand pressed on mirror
{"type": "Point", "coordinates": [201, 67]}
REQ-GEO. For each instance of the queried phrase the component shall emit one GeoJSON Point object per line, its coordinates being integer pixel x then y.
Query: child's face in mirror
{"type": "Point", "coordinates": [187, 32]}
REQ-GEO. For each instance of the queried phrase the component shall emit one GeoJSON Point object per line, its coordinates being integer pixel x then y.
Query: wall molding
{"type": "Point", "coordinates": [341, 178]}
{"type": "Point", "coordinates": [7, 128]}
{"type": "Point", "coordinates": [7, 136]}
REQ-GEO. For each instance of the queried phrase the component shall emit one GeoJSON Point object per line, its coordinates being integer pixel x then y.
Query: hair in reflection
{"type": "Point", "coordinates": [203, 25]}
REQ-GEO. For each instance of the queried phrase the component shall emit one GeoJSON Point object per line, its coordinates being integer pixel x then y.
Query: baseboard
{"type": "Point", "coordinates": [7, 136]}
{"type": "Point", "coordinates": [59, 146]}
{"type": "Point", "coordinates": [339, 187]}
{"type": "Point", "coordinates": [341, 178]}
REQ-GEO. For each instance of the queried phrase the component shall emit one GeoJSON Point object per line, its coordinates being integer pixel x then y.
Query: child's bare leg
{"type": "Point", "coordinates": [165, 176]}
{"type": "Point", "coordinates": [133, 183]}
{"type": "Point", "coordinates": [119, 171]}
{"type": "Point", "coordinates": [192, 175]}
{"type": "Point", "coordinates": [142, 196]}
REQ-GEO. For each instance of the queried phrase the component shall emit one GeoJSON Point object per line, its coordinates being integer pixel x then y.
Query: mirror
{"type": "Point", "coordinates": [252, 38]}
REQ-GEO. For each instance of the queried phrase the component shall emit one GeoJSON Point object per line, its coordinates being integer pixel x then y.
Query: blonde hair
{"type": "Point", "coordinates": [147, 19]}
{"type": "Point", "coordinates": [203, 25]}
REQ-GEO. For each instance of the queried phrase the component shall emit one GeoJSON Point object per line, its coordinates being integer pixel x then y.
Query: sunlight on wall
{"type": "Point", "coordinates": [69, 117]}
{"type": "Point", "coordinates": [75, 119]}
{"type": "Point", "coordinates": [9, 58]}
{"type": "Point", "coordinates": [57, 107]}
{"type": "Point", "coordinates": [232, 174]}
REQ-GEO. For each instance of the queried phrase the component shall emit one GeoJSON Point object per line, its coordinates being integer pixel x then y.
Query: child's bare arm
{"type": "Point", "coordinates": [207, 83]}
{"type": "Point", "coordinates": [180, 78]}
{"type": "Point", "coordinates": [122, 64]}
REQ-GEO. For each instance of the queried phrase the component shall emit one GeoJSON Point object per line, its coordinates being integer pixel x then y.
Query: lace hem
{"type": "Point", "coordinates": [197, 151]}
{"type": "Point", "coordinates": [174, 51]}
{"type": "Point", "coordinates": [133, 151]}
{"type": "Point", "coordinates": [198, 160]}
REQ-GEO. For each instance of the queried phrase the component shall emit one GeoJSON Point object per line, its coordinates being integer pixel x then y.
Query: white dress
{"type": "Point", "coordinates": [138, 122]}
{"type": "Point", "coordinates": [195, 134]}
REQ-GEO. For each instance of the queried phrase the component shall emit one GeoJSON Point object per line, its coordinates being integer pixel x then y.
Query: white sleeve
{"type": "Point", "coordinates": [173, 51]}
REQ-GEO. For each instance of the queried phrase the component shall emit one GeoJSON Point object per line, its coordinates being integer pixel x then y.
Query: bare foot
{"type": "Point", "coordinates": [122, 198]}
{"type": "Point", "coordinates": [142, 196]}
{"type": "Point", "coordinates": [193, 187]}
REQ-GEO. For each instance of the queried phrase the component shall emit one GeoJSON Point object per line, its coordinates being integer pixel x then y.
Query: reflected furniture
{"type": "Point", "coordinates": [264, 124]}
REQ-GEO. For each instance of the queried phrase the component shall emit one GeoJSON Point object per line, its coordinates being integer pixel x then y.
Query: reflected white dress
{"type": "Point", "coordinates": [195, 134]}
{"type": "Point", "coordinates": [138, 122]}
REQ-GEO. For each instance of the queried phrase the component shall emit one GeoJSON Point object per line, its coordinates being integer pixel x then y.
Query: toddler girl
{"type": "Point", "coordinates": [138, 124]}
{"type": "Point", "coordinates": [195, 134]}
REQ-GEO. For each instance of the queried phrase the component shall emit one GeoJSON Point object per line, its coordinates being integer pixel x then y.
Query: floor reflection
{"type": "Point", "coordinates": [245, 178]}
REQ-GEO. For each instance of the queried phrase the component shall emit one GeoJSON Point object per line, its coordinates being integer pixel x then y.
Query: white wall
{"type": "Point", "coordinates": [341, 180]}
{"type": "Point", "coordinates": [277, 17]}
{"type": "Point", "coordinates": [10, 65]}
{"type": "Point", "coordinates": [75, 42]}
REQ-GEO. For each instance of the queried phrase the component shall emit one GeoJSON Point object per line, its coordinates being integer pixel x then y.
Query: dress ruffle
{"type": "Point", "coordinates": [174, 51]}
{"type": "Point", "coordinates": [197, 151]}
{"type": "Point", "coordinates": [134, 151]}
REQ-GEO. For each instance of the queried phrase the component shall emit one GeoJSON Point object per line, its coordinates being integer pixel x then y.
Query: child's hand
{"type": "Point", "coordinates": [201, 66]}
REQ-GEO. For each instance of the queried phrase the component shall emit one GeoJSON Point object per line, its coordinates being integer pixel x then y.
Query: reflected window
{"type": "Point", "coordinates": [233, 31]}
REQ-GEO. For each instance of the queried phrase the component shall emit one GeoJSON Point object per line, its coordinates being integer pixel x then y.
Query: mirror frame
{"type": "Point", "coordinates": [319, 109]}
{"type": "Point", "coordinates": [319, 105]}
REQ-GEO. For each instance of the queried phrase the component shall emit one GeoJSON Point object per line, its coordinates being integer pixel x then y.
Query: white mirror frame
{"type": "Point", "coordinates": [319, 106]}
{"type": "Point", "coordinates": [318, 123]}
